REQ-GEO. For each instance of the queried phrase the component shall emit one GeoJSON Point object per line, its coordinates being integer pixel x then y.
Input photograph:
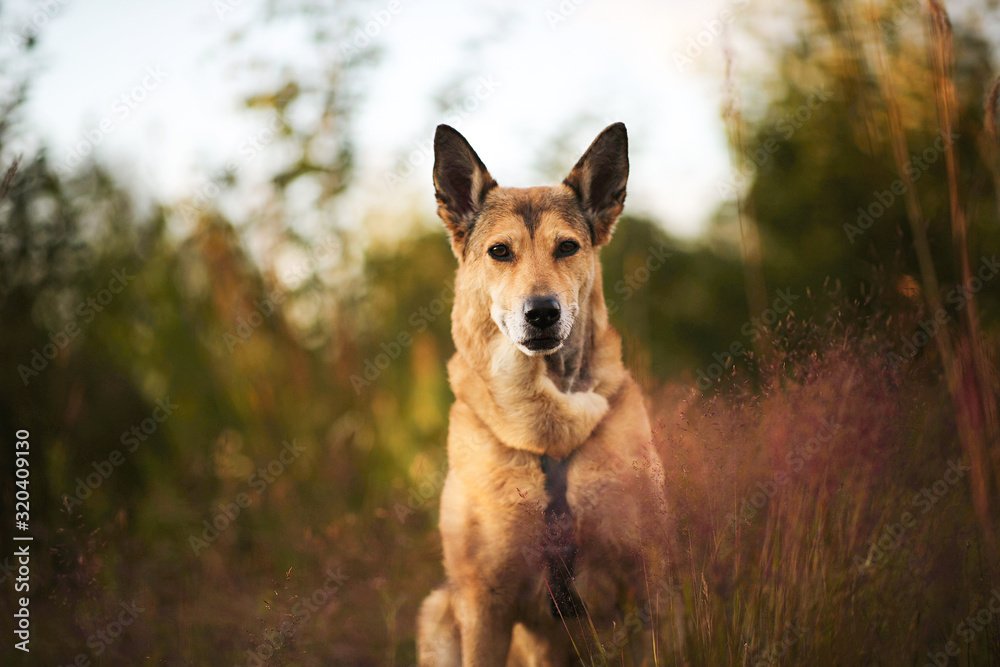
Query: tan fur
{"type": "Point", "coordinates": [511, 408]}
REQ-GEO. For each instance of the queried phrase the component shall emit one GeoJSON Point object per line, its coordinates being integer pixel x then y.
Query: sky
{"type": "Point", "coordinates": [154, 90]}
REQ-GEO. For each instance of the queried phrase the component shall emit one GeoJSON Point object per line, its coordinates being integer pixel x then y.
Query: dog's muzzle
{"type": "Point", "coordinates": [542, 314]}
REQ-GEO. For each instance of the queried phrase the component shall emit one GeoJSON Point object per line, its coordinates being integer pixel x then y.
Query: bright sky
{"type": "Point", "coordinates": [554, 66]}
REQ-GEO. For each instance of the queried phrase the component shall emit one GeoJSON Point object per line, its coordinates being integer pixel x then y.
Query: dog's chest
{"type": "Point", "coordinates": [575, 496]}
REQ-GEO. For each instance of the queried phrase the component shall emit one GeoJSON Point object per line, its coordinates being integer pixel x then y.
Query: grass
{"type": "Point", "coordinates": [802, 528]}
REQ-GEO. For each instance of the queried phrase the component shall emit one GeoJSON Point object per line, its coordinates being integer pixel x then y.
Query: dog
{"type": "Point", "coordinates": [554, 490]}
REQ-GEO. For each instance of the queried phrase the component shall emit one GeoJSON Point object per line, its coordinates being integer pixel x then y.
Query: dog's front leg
{"type": "Point", "coordinates": [485, 627]}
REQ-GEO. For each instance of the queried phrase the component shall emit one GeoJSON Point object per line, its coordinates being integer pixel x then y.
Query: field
{"type": "Point", "coordinates": [236, 427]}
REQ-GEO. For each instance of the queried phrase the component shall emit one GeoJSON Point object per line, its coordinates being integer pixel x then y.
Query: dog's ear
{"type": "Point", "coordinates": [461, 181]}
{"type": "Point", "coordinates": [598, 180]}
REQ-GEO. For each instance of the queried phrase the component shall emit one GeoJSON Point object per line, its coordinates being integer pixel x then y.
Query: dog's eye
{"type": "Point", "coordinates": [567, 248]}
{"type": "Point", "coordinates": [499, 251]}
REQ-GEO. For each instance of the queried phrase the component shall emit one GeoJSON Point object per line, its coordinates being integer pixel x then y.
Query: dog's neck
{"type": "Point", "coordinates": [569, 367]}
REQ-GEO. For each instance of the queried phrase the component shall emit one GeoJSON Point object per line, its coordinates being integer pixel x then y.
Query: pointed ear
{"type": "Point", "coordinates": [461, 182]}
{"type": "Point", "coordinates": [598, 180]}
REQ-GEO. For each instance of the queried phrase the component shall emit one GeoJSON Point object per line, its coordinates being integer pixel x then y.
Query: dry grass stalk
{"type": "Point", "coordinates": [8, 179]}
{"type": "Point", "coordinates": [966, 392]}
{"type": "Point", "coordinates": [750, 245]}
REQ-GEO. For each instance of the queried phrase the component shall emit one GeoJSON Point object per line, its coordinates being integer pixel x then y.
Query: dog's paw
{"type": "Point", "coordinates": [590, 405]}
{"type": "Point", "coordinates": [588, 409]}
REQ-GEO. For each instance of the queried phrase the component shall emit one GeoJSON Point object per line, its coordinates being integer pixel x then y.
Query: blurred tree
{"type": "Point", "coordinates": [825, 191]}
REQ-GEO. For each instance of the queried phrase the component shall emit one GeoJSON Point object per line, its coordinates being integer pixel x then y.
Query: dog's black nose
{"type": "Point", "coordinates": [541, 311]}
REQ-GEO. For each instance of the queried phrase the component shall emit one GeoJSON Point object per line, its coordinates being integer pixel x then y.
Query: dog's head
{"type": "Point", "coordinates": [532, 252]}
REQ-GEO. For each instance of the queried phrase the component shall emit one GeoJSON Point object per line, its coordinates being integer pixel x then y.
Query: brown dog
{"type": "Point", "coordinates": [553, 488]}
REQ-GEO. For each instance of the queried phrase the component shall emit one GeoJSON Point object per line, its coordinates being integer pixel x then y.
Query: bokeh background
{"type": "Point", "coordinates": [224, 313]}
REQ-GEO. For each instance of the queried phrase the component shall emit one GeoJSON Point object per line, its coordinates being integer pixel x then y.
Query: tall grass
{"type": "Point", "coordinates": [795, 546]}
{"type": "Point", "coordinates": [844, 509]}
